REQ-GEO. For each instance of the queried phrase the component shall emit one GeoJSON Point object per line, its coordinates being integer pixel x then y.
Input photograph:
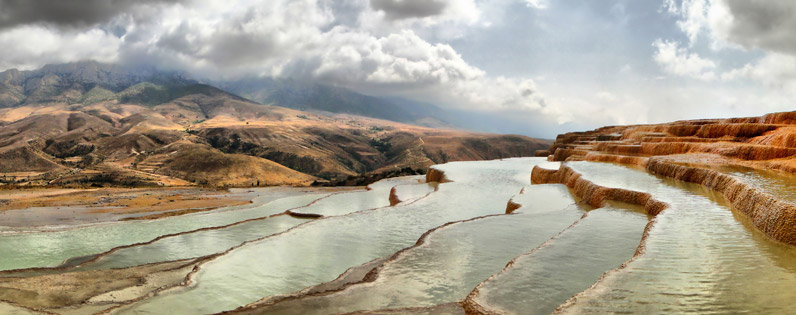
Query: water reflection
{"type": "Point", "coordinates": [539, 282]}
{"type": "Point", "coordinates": [453, 260]}
{"type": "Point", "coordinates": [321, 250]}
{"type": "Point", "coordinates": [47, 249]}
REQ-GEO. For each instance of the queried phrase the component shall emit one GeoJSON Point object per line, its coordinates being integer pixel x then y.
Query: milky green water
{"type": "Point", "coordinates": [540, 281]}
{"type": "Point", "coordinates": [47, 249]}
{"type": "Point", "coordinates": [377, 196]}
{"type": "Point", "coordinates": [388, 183]}
{"type": "Point", "coordinates": [214, 241]}
{"type": "Point", "coordinates": [407, 193]}
{"type": "Point", "coordinates": [701, 257]}
{"type": "Point", "coordinates": [321, 250]}
{"type": "Point", "coordinates": [453, 260]}
{"type": "Point", "coordinates": [195, 244]}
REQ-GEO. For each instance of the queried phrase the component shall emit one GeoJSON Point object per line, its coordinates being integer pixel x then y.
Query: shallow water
{"type": "Point", "coordinates": [538, 197]}
{"type": "Point", "coordinates": [47, 249]}
{"type": "Point", "coordinates": [66, 215]}
{"type": "Point", "coordinates": [453, 260]}
{"type": "Point", "coordinates": [550, 165]}
{"type": "Point", "coordinates": [377, 196]}
{"type": "Point", "coordinates": [407, 193]}
{"type": "Point", "coordinates": [195, 244]}
{"type": "Point", "coordinates": [214, 241]}
{"type": "Point", "coordinates": [8, 309]}
{"type": "Point", "coordinates": [700, 256]}
{"type": "Point", "coordinates": [388, 183]}
{"type": "Point", "coordinates": [321, 250]}
{"type": "Point", "coordinates": [782, 185]}
{"type": "Point", "coordinates": [779, 184]}
{"type": "Point", "coordinates": [540, 281]}
{"type": "Point", "coordinates": [70, 217]}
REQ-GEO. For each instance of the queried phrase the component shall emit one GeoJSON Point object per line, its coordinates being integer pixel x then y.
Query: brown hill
{"type": "Point", "coordinates": [60, 130]}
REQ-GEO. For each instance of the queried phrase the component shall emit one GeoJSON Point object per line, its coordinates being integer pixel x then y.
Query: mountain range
{"type": "Point", "coordinates": [90, 123]}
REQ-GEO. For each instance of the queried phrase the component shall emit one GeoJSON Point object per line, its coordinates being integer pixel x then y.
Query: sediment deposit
{"type": "Point", "coordinates": [596, 195]}
{"type": "Point", "coordinates": [693, 151]}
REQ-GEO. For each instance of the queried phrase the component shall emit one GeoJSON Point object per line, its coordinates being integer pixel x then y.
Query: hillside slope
{"type": "Point", "coordinates": [89, 124]}
{"type": "Point", "coordinates": [318, 97]}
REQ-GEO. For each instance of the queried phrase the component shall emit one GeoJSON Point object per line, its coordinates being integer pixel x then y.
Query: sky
{"type": "Point", "coordinates": [535, 67]}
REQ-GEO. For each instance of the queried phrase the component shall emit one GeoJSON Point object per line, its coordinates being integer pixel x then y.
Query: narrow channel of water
{"type": "Point", "coordinates": [321, 250]}
{"type": "Point", "coordinates": [377, 196]}
{"type": "Point", "coordinates": [700, 256]}
{"type": "Point", "coordinates": [407, 193]}
{"type": "Point", "coordinates": [195, 244]}
{"type": "Point", "coordinates": [540, 281]}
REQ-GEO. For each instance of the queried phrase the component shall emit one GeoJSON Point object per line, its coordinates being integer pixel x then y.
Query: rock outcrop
{"type": "Point", "coordinates": [435, 175]}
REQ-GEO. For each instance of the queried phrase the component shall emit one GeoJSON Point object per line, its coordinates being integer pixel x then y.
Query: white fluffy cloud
{"type": "Point", "coordinates": [537, 4]}
{"type": "Point", "coordinates": [774, 70]}
{"type": "Point", "coordinates": [381, 52]}
{"type": "Point", "coordinates": [737, 25]}
{"type": "Point", "coordinates": [429, 51]}
{"type": "Point", "coordinates": [31, 46]}
{"type": "Point", "coordinates": [759, 30]}
{"type": "Point", "coordinates": [677, 60]}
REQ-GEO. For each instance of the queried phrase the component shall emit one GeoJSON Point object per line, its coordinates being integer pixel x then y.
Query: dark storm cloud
{"type": "Point", "coordinates": [65, 12]}
{"type": "Point", "coordinates": [404, 9]}
{"type": "Point", "coordinates": [766, 24]}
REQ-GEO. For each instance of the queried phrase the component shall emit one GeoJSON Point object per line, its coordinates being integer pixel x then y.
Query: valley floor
{"type": "Point", "coordinates": [43, 207]}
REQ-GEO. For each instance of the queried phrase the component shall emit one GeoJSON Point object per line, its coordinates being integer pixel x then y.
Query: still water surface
{"type": "Point", "coordinates": [700, 256]}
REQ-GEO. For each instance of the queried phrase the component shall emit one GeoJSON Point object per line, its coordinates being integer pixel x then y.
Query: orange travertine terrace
{"type": "Point", "coordinates": [689, 151]}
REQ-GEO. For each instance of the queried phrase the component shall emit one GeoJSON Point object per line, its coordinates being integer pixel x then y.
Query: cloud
{"type": "Point", "coordinates": [697, 17]}
{"type": "Point", "coordinates": [739, 25]}
{"type": "Point", "coordinates": [299, 39]}
{"type": "Point", "coordinates": [66, 13]}
{"type": "Point", "coordinates": [753, 33]}
{"type": "Point", "coordinates": [31, 46]}
{"type": "Point", "coordinates": [537, 4]}
{"type": "Point", "coordinates": [402, 9]}
{"type": "Point", "coordinates": [398, 60]}
{"type": "Point", "coordinates": [774, 70]}
{"type": "Point", "coordinates": [678, 61]}
{"type": "Point", "coordinates": [767, 25]}
{"type": "Point", "coordinates": [441, 19]}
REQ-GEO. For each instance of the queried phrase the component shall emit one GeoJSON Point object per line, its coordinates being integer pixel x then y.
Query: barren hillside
{"type": "Point", "coordinates": [92, 124]}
